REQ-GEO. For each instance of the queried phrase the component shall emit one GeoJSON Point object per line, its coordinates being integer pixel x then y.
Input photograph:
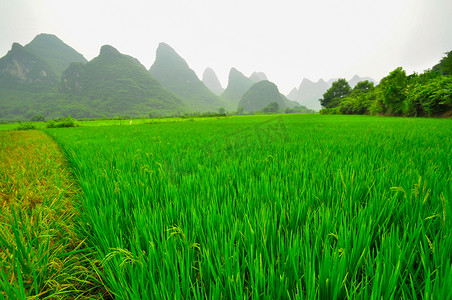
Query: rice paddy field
{"type": "Point", "coordinates": [266, 207]}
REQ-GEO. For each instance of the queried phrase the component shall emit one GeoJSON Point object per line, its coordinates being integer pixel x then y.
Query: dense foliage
{"type": "Point", "coordinates": [398, 94]}
{"type": "Point", "coordinates": [264, 207]}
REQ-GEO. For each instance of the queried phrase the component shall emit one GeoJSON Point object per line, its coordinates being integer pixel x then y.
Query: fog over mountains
{"type": "Point", "coordinates": [51, 78]}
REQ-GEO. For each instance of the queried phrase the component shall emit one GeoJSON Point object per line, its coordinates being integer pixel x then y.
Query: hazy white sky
{"type": "Point", "coordinates": [288, 40]}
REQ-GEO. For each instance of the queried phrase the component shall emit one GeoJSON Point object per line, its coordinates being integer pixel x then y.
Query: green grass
{"type": "Point", "coordinates": [285, 207]}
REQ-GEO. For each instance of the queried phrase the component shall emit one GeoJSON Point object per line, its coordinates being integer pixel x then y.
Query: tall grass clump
{"type": "Point", "coordinates": [66, 122]}
{"type": "Point", "coordinates": [285, 207]}
{"type": "Point", "coordinates": [42, 254]}
{"type": "Point", "coordinates": [25, 126]}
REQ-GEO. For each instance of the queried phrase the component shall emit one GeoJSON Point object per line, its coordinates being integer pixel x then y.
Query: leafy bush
{"type": "Point", "coordinates": [26, 126]}
{"type": "Point", "coordinates": [432, 97]}
{"type": "Point", "coordinates": [68, 122]}
{"type": "Point", "coordinates": [330, 111]}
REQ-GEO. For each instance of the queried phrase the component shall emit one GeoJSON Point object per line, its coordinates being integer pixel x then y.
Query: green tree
{"type": "Point", "coordinates": [393, 89]}
{"type": "Point", "coordinates": [359, 100]}
{"type": "Point", "coordinates": [444, 67]}
{"type": "Point", "coordinates": [221, 110]}
{"type": "Point", "coordinates": [363, 87]}
{"type": "Point", "coordinates": [271, 108]}
{"type": "Point", "coordinates": [333, 96]}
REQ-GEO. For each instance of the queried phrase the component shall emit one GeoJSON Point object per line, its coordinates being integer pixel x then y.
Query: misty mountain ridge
{"type": "Point", "coordinates": [112, 84]}
{"type": "Point", "coordinates": [48, 76]}
{"type": "Point", "coordinates": [119, 84]}
{"type": "Point", "coordinates": [174, 74]}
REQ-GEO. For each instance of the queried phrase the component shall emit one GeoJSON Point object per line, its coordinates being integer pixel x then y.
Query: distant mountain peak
{"type": "Point", "coordinates": [258, 76]}
{"type": "Point", "coordinates": [109, 50]}
{"type": "Point", "coordinates": [166, 55]}
{"type": "Point", "coordinates": [121, 81]}
{"type": "Point", "coordinates": [16, 46]}
{"type": "Point", "coordinates": [259, 95]}
{"type": "Point", "coordinates": [293, 94]}
{"type": "Point", "coordinates": [174, 74]}
{"type": "Point", "coordinates": [165, 47]}
{"type": "Point", "coordinates": [54, 51]}
{"type": "Point", "coordinates": [209, 70]}
{"type": "Point", "coordinates": [210, 79]}
{"type": "Point", "coordinates": [46, 37]}
{"type": "Point", "coordinates": [234, 72]}
{"type": "Point", "coordinates": [238, 84]}
{"type": "Point", "coordinates": [23, 66]}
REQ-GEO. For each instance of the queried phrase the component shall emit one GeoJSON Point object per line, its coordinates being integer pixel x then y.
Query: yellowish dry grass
{"type": "Point", "coordinates": [41, 251]}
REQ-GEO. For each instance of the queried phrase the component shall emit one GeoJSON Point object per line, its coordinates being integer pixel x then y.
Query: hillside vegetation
{"type": "Point", "coordinates": [49, 78]}
{"type": "Point", "coordinates": [116, 84]}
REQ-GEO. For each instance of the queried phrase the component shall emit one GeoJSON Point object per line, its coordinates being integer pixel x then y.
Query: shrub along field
{"type": "Point", "coordinates": [292, 206]}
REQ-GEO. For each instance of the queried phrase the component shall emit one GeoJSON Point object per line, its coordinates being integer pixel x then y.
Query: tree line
{"type": "Point", "coordinates": [398, 94]}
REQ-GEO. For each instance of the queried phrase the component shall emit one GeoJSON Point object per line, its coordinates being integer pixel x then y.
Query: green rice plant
{"type": "Point", "coordinates": [273, 207]}
{"type": "Point", "coordinates": [42, 255]}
